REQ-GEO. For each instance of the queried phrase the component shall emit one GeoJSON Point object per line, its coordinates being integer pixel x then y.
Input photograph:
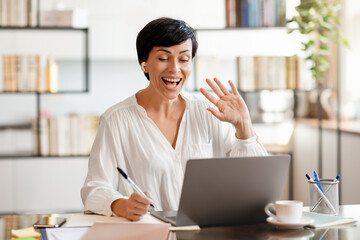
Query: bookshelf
{"type": "Point", "coordinates": [35, 28]}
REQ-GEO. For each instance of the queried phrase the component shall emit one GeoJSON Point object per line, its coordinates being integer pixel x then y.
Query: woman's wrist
{"type": "Point", "coordinates": [118, 207]}
{"type": "Point", "coordinates": [244, 130]}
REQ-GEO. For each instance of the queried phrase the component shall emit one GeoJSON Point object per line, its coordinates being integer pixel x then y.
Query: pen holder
{"type": "Point", "coordinates": [324, 196]}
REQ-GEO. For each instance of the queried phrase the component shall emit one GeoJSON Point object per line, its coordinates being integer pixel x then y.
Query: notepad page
{"type": "Point", "coordinates": [80, 220]}
{"type": "Point", "coordinates": [64, 233]}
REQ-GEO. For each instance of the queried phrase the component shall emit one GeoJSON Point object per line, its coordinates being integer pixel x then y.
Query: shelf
{"type": "Point", "coordinates": [242, 28]}
{"type": "Point", "coordinates": [261, 90]}
{"type": "Point", "coordinates": [346, 126]}
{"type": "Point", "coordinates": [38, 156]}
{"type": "Point", "coordinates": [84, 34]}
{"type": "Point", "coordinates": [19, 126]}
{"type": "Point", "coordinates": [45, 28]}
{"type": "Point", "coordinates": [42, 93]}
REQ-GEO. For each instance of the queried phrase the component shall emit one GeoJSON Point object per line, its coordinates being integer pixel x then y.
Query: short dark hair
{"type": "Point", "coordinates": [163, 32]}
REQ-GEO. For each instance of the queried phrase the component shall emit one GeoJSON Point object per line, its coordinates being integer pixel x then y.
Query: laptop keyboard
{"type": "Point", "coordinates": [171, 218]}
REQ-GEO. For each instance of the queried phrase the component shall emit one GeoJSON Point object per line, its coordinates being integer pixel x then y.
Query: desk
{"type": "Point", "coordinates": [263, 231]}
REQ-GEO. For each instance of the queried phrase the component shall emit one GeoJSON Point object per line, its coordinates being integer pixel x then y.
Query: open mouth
{"type": "Point", "coordinates": [171, 82]}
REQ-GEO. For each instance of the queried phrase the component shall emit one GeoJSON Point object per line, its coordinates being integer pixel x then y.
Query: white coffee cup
{"type": "Point", "coordinates": [287, 211]}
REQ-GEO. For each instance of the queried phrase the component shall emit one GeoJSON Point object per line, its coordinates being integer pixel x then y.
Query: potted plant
{"type": "Point", "coordinates": [319, 21]}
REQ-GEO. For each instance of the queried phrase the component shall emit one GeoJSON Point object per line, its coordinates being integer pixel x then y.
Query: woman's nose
{"type": "Point", "coordinates": [174, 66]}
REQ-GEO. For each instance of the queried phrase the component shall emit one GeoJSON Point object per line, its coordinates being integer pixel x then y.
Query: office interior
{"type": "Point", "coordinates": [286, 120]}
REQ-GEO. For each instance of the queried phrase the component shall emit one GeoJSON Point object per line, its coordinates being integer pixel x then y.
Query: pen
{"type": "Point", "coordinates": [137, 189]}
{"type": "Point", "coordinates": [337, 178]}
{"type": "Point", "coordinates": [321, 194]}
{"type": "Point", "coordinates": [318, 180]}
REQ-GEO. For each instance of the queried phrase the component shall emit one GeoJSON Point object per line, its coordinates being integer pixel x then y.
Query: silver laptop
{"type": "Point", "coordinates": [228, 191]}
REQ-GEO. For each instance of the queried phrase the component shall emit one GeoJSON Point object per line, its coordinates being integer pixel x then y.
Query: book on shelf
{"type": "Point", "coordinates": [23, 73]}
{"type": "Point", "coordinates": [255, 13]}
{"type": "Point", "coordinates": [245, 73]}
{"type": "Point", "coordinates": [63, 136]}
{"type": "Point", "coordinates": [75, 134]}
{"type": "Point", "coordinates": [66, 135]}
{"type": "Point", "coordinates": [230, 8]}
{"type": "Point", "coordinates": [272, 72]}
{"type": "Point", "coordinates": [291, 72]}
{"type": "Point", "coordinates": [10, 73]}
{"type": "Point", "coordinates": [88, 127]}
{"type": "Point", "coordinates": [277, 72]}
{"type": "Point", "coordinates": [243, 11]}
{"type": "Point", "coordinates": [53, 137]}
{"type": "Point", "coordinates": [18, 13]}
{"type": "Point", "coordinates": [261, 72]}
{"type": "Point", "coordinates": [44, 136]}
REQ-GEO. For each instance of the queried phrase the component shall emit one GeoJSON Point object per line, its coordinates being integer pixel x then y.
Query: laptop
{"type": "Point", "coordinates": [228, 191]}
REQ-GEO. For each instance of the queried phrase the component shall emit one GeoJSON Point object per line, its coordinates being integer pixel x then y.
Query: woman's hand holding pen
{"type": "Point", "coordinates": [133, 208]}
{"type": "Point", "coordinates": [231, 107]}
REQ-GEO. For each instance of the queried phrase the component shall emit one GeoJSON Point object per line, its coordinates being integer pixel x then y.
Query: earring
{"type": "Point", "coordinates": [143, 67]}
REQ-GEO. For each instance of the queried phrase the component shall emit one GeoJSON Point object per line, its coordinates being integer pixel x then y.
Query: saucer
{"type": "Point", "coordinates": [303, 222]}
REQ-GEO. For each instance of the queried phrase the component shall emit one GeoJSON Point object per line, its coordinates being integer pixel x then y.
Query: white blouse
{"type": "Point", "coordinates": [128, 139]}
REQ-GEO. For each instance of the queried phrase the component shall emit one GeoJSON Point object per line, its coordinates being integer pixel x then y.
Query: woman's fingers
{"type": "Point", "coordinates": [221, 86]}
{"type": "Point", "coordinates": [233, 88]}
{"type": "Point", "coordinates": [137, 206]}
{"type": "Point", "coordinates": [218, 88]}
{"type": "Point", "coordinates": [209, 96]}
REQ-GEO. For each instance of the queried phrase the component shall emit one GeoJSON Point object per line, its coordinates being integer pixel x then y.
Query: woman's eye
{"type": "Point", "coordinates": [163, 59]}
{"type": "Point", "coordinates": [184, 60]}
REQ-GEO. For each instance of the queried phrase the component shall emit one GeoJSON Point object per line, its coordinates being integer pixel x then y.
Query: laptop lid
{"type": "Point", "coordinates": [230, 191]}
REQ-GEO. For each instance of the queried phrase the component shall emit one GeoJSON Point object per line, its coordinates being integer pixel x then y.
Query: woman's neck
{"type": "Point", "coordinates": [159, 104]}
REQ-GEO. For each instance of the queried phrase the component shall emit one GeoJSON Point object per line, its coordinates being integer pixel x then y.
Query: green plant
{"type": "Point", "coordinates": [320, 21]}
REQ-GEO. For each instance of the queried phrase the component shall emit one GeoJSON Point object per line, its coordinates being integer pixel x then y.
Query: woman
{"type": "Point", "coordinates": [153, 133]}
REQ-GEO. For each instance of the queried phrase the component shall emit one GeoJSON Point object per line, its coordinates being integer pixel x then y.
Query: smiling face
{"type": "Point", "coordinates": [169, 68]}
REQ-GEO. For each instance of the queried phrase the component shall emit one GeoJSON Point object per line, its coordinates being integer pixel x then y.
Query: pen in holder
{"type": "Point", "coordinates": [326, 201]}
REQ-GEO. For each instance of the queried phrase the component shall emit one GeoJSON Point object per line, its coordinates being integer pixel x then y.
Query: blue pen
{"type": "Point", "coordinates": [318, 180]}
{"type": "Point", "coordinates": [337, 178]}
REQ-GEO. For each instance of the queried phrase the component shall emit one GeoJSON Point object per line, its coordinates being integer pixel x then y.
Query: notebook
{"type": "Point", "coordinates": [228, 191]}
{"type": "Point", "coordinates": [325, 221]}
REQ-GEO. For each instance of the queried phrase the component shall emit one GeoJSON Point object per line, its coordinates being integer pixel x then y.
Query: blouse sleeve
{"type": "Point", "coordinates": [101, 184]}
{"type": "Point", "coordinates": [248, 147]}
